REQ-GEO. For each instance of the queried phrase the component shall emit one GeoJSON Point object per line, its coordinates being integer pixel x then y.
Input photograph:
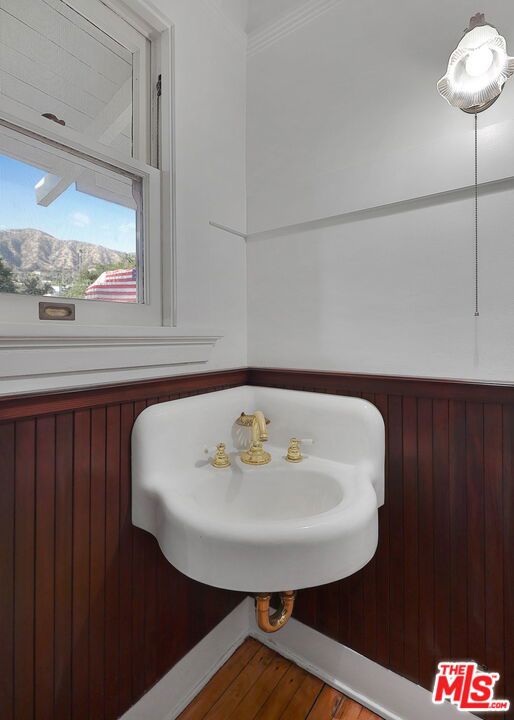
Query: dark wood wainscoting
{"type": "Point", "coordinates": [442, 582]}
{"type": "Point", "coordinates": [91, 614]}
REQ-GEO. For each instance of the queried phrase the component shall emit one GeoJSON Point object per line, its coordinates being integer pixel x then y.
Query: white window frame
{"type": "Point", "coordinates": [127, 23]}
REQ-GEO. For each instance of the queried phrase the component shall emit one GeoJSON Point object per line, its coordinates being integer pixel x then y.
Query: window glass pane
{"type": "Point", "coordinates": [56, 63]}
{"type": "Point", "coordinates": [69, 227]}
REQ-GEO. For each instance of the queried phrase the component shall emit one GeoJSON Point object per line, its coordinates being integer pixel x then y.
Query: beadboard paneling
{"type": "Point", "coordinates": [91, 614]}
{"type": "Point", "coordinates": [441, 584]}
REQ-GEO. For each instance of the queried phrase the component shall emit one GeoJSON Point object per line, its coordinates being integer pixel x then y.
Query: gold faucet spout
{"type": "Point", "coordinates": [255, 455]}
{"type": "Point", "coordinates": [260, 425]}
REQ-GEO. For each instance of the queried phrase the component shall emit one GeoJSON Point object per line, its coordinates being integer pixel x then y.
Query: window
{"type": "Point", "coordinates": [79, 184]}
{"type": "Point", "coordinates": [99, 208]}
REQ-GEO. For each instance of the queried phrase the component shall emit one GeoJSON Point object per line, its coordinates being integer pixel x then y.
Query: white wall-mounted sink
{"type": "Point", "coordinates": [269, 528]}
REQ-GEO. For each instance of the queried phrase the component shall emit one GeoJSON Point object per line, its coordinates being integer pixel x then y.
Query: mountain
{"type": "Point", "coordinates": [28, 250]}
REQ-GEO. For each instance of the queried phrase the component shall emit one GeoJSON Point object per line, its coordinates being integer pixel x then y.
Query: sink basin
{"type": "Point", "coordinates": [280, 526]}
{"type": "Point", "coordinates": [276, 494]}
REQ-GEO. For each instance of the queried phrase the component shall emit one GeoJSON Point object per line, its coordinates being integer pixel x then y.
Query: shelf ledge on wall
{"type": "Point", "coordinates": [228, 229]}
{"type": "Point", "coordinates": [391, 208]}
{"type": "Point", "coordinates": [32, 363]}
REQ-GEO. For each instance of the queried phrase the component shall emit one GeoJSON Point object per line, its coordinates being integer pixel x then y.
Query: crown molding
{"type": "Point", "coordinates": [289, 22]}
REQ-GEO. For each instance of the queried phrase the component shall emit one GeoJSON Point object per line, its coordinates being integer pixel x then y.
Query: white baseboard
{"type": "Point", "coordinates": [389, 695]}
{"type": "Point", "coordinates": [174, 692]}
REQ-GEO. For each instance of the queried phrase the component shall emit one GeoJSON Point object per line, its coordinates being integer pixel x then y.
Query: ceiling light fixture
{"type": "Point", "coordinates": [477, 71]}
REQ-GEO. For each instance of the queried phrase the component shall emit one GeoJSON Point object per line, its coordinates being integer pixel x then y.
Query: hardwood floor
{"type": "Point", "coordinates": [258, 684]}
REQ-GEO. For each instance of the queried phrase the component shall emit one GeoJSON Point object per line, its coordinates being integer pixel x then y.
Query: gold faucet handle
{"type": "Point", "coordinates": [294, 452]}
{"type": "Point", "coordinates": [221, 459]}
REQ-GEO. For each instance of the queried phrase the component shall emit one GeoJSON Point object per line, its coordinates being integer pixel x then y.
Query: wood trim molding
{"type": "Point", "coordinates": [44, 403]}
{"type": "Point", "coordinates": [341, 382]}
{"type": "Point", "coordinates": [21, 406]}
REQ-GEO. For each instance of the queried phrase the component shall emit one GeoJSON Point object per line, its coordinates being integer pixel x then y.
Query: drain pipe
{"type": "Point", "coordinates": [270, 623]}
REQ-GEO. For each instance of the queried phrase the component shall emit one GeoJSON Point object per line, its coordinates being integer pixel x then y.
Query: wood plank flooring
{"type": "Point", "coordinates": [258, 684]}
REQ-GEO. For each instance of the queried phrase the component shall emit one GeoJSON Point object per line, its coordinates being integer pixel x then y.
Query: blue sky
{"type": "Point", "coordinates": [73, 216]}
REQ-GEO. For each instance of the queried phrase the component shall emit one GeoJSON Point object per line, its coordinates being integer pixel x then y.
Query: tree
{"type": "Point", "coordinates": [7, 283]}
{"type": "Point", "coordinates": [32, 285]}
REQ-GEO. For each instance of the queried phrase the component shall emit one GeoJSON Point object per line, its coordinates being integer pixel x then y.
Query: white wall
{"type": "Point", "coordinates": [210, 98]}
{"type": "Point", "coordinates": [343, 117]}
{"type": "Point", "coordinates": [236, 11]}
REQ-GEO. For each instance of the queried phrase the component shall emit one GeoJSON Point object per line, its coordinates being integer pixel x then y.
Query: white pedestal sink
{"type": "Point", "coordinates": [268, 528]}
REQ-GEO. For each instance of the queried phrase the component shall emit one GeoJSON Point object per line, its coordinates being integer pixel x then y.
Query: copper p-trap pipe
{"type": "Point", "coordinates": [271, 623]}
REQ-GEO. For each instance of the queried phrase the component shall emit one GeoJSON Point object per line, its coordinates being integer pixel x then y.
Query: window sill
{"type": "Point", "coordinates": [46, 359]}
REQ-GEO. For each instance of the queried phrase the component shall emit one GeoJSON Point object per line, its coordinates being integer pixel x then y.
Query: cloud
{"type": "Point", "coordinates": [80, 219]}
{"type": "Point", "coordinates": [128, 228]}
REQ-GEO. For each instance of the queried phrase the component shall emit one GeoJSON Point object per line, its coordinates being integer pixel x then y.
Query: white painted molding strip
{"type": "Point", "coordinates": [36, 363]}
{"type": "Point", "coordinates": [414, 203]}
{"type": "Point", "coordinates": [228, 229]}
{"type": "Point", "coordinates": [382, 691]}
{"type": "Point", "coordinates": [174, 692]}
{"type": "Point", "coordinates": [33, 356]}
{"type": "Point", "coordinates": [287, 23]}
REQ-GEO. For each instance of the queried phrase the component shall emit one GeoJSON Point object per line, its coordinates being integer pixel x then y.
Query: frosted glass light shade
{"type": "Point", "coordinates": [477, 70]}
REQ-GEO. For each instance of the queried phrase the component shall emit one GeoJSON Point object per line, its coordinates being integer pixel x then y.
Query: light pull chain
{"type": "Point", "coordinates": [477, 313]}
